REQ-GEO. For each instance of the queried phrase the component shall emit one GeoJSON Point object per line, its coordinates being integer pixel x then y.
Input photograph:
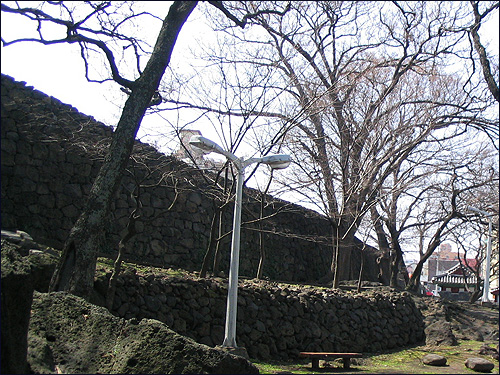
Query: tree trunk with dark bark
{"type": "Point", "coordinates": [489, 77]}
{"type": "Point", "coordinates": [75, 271]}
{"type": "Point", "coordinates": [384, 247]}
{"type": "Point", "coordinates": [396, 256]}
{"type": "Point", "coordinates": [342, 258]}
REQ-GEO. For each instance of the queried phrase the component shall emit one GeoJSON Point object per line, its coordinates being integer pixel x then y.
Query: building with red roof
{"type": "Point", "coordinates": [458, 282]}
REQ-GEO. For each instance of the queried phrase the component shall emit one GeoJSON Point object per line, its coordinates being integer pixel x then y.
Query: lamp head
{"type": "Point", "coordinates": [203, 143]}
{"type": "Point", "coordinates": [477, 210]}
{"type": "Point", "coordinates": [207, 145]}
{"type": "Point", "coordinates": [281, 161]}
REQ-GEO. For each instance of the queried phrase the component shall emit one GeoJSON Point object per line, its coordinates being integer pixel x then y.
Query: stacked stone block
{"type": "Point", "coordinates": [51, 154]}
{"type": "Point", "coordinates": [273, 321]}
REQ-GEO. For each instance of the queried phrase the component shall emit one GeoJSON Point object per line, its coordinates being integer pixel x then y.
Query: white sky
{"type": "Point", "coordinates": [58, 70]}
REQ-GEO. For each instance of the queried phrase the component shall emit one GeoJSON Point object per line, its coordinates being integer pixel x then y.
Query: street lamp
{"type": "Point", "coordinates": [275, 162]}
{"type": "Point", "coordinates": [486, 288]}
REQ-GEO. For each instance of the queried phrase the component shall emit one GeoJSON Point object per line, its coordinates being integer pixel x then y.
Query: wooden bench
{"type": "Point", "coordinates": [316, 356]}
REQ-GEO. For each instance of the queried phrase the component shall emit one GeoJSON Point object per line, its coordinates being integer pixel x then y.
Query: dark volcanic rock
{"type": "Point", "coordinates": [70, 335]}
{"type": "Point", "coordinates": [434, 360]}
{"type": "Point", "coordinates": [488, 350]}
{"type": "Point", "coordinates": [17, 294]}
{"type": "Point", "coordinates": [479, 364]}
{"type": "Point", "coordinates": [440, 333]}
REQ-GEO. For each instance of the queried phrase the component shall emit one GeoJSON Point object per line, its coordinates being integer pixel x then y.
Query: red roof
{"type": "Point", "coordinates": [473, 263]}
{"type": "Point", "coordinates": [458, 269]}
{"type": "Point", "coordinates": [455, 275]}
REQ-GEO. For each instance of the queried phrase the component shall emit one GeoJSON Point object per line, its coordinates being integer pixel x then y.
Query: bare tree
{"type": "Point", "coordinates": [262, 248]}
{"type": "Point", "coordinates": [220, 202]}
{"type": "Point", "coordinates": [95, 27]}
{"type": "Point", "coordinates": [347, 106]}
{"type": "Point", "coordinates": [451, 198]}
{"type": "Point", "coordinates": [226, 115]}
{"type": "Point", "coordinates": [76, 268]}
{"type": "Point", "coordinates": [411, 206]}
{"type": "Point", "coordinates": [480, 63]}
{"type": "Point", "coordinates": [468, 265]}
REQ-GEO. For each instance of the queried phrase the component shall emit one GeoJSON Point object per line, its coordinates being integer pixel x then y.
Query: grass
{"type": "Point", "coordinates": [106, 265]}
{"type": "Point", "coordinates": [406, 361]}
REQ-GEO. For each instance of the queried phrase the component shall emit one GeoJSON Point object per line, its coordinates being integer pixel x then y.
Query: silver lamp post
{"type": "Point", "coordinates": [486, 288]}
{"type": "Point", "coordinates": [275, 162]}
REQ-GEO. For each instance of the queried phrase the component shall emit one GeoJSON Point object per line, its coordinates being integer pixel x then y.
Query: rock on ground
{"type": "Point", "coordinates": [488, 350]}
{"type": "Point", "coordinates": [479, 364]}
{"type": "Point", "coordinates": [69, 335]}
{"type": "Point", "coordinates": [440, 333]}
{"type": "Point", "coordinates": [434, 360]}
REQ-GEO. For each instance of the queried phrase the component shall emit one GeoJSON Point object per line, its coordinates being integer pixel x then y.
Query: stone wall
{"type": "Point", "coordinates": [274, 320]}
{"type": "Point", "coordinates": [51, 153]}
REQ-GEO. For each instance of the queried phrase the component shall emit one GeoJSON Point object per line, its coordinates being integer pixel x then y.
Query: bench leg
{"type": "Point", "coordinates": [315, 363]}
{"type": "Point", "coordinates": [347, 362]}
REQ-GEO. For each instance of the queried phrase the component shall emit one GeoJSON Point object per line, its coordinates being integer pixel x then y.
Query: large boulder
{"type": "Point", "coordinates": [440, 333]}
{"type": "Point", "coordinates": [17, 294]}
{"type": "Point", "coordinates": [69, 335]}
{"type": "Point", "coordinates": [26, 266]}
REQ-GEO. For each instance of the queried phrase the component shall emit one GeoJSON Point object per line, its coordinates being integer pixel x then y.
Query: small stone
{"type": "Point", "coordinates": [487, 350]}
{"type": "Point", "coordinates": [434, 360]}
{"type": "Point", "coordinates": [479, 364]}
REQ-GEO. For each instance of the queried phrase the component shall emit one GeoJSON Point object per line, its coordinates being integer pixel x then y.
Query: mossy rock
{"type": "Point", "coordinates": [70, 335]}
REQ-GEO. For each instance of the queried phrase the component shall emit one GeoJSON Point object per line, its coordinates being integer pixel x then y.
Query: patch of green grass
{"type": "Point", "coordinates": [274, 367]}
{"type": "Point", "coordinates": [406, 361]}
{"type": "Point", "coordinates": [106, 265]}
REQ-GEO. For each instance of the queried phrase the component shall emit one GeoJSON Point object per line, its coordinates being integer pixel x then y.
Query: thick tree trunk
{"type": "Point", "coordinates": [395, 267]}
{"type": "Point", "coordinates": [341, 262]}
{"type": "Point", "coordinates": [75, 271]}
{"type": "Point", "coordinates": [396, 257]}
{"type": "Point", "coordinates": [384, 259]}
{"type": "Point", "coordinates": [343, 266]}
{"type": "Point", "coordinates": [414, 283]}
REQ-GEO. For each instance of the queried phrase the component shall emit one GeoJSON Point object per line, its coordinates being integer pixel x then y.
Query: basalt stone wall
{"type": "Point", "coordinates": [51, 153]}
{"type": "Point", "coordinates": [272, 321]}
